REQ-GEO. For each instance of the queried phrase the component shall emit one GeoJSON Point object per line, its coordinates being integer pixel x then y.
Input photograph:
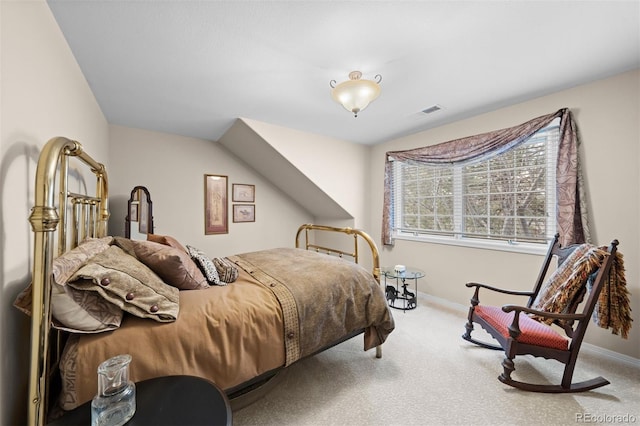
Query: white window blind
{"type": "Point", "coordinates": [508, 196]}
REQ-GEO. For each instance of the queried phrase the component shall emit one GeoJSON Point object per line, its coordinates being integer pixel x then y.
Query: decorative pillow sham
{"type": "Point", "coordinates": [76, 312]}
{"type": "Point", "coordinates": [124, 281]}
{"type": "Point", "coordinates": [173, 265]}
{"type": "Point", "coordinates": [166, 240]}
{"type": "Point", "coordinates": [73, 311]}
{"type": "Point", "coordinates": [227, 270]}
{"type": "Point", "coordinates": [90, 313]}
{"type": "Point", "coordinates": [206, 265]}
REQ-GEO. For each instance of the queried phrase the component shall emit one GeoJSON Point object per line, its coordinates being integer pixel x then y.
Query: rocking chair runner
{"type": "Point", "coordinates": [522, 330]}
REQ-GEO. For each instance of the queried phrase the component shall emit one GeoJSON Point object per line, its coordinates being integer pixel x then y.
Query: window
{"type": "Point", "coordinates": [508, 196]}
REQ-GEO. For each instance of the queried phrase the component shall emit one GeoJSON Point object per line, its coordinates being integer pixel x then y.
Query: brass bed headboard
{"type": "Point", "coordinates": [89, 216]}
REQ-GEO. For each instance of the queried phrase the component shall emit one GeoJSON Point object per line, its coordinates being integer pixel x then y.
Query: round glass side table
{"type": "Point", "coordinates": [399, 294]}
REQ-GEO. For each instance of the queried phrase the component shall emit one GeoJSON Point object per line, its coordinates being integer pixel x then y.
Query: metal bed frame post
{"type": "Point", "coordinates": [44, 219]}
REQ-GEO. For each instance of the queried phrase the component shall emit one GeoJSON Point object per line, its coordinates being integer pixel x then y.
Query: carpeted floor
{"type": "Point", "coordinates": [428, 375]}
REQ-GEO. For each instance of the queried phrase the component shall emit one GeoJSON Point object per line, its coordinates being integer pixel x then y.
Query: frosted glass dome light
{"type": "Point", "coordinates": [356, 93]}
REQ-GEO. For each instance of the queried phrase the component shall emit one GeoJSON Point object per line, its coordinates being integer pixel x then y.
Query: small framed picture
{"type": "Point", "coordinates": [244, 193]}
{"type": "Point", "coordinates": [244, 213]}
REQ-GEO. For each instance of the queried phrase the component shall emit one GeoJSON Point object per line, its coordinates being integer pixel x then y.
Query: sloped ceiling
{"type": "Point", "coordinates": [193, 67]}
{"type": "Point", "coordinates": [254, 150]}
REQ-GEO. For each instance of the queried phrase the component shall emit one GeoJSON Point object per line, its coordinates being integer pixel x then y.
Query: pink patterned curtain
{"type": "Point", "coordinates": [571, 211]}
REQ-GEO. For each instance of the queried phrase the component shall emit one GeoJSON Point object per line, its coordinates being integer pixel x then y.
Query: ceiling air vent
{"type": "Point", "coordinates": [431, 109]}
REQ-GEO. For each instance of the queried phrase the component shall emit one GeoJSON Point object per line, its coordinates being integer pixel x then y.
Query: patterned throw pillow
{"type": "Point", "coordinates": [227, 270]}
{"type": "Point", "coordinates": [206, 265]}
{"type": "Point", "coordinates": [559, 290]}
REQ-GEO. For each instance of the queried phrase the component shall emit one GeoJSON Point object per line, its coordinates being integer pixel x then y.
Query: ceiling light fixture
{"type": "Point", "coordinates": [356, 93]}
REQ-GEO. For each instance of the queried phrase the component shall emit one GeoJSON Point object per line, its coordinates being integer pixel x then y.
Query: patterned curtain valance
{"type": "Point", "coordinates": [571, 209]}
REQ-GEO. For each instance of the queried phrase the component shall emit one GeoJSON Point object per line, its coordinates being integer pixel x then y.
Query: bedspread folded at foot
{"type": "Point", "coordinates": [322, 297]}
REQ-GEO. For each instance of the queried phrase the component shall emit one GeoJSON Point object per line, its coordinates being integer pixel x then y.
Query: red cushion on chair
{"type": "Point", "coordinates": [533, 332]}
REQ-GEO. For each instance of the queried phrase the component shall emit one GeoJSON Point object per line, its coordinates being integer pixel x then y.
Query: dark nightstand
{"type": "Point", "coordinates": [172, 400]}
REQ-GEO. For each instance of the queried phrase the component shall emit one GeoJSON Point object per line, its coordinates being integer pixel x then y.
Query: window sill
{"type": "Point", "coordinates": [526, 248]}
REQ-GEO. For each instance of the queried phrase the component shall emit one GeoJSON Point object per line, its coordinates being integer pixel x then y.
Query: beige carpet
{"type": "Point", "coordinates": [428, 375]}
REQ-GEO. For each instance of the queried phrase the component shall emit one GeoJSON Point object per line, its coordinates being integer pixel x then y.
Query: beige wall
{"type": "Point", "coordinates": [44, 94]}
{"type": "Point", "coordinates": [173, 168]}
{"type": "Point", "coordinates": [607, 114]}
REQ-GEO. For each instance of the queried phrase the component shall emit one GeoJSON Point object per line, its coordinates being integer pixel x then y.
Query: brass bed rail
{"type": "Point", "coordinates": [89, 219]}
{"type": "Point", "coordinates": [357, 233]}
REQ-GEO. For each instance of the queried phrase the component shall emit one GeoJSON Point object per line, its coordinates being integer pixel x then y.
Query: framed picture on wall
{"type": "Point", "coordinates": [244, 213]}
{"type": "Point", "coordinates": [244, 193]}
{"type": "Point", "coordinates": [216, 205]}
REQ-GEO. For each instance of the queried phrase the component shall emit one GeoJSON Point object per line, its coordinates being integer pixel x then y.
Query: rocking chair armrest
{"type": "Point", "coordinates": [500, 290]}
{"type": "Point", "coordinates": [509, 308]}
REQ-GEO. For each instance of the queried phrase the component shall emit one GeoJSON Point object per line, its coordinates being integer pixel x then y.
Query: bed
{"type": "Point", "coordinates": [94, 296]}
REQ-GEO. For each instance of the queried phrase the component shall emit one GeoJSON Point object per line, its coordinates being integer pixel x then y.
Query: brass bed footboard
{"type": "Point", "coordinates": [357, 233]}
{"type": "Point", "coordinates": [89, 219]}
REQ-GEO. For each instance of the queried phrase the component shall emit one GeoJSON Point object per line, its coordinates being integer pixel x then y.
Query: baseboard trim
{"type": "Point", "coordinates": [607, 353]}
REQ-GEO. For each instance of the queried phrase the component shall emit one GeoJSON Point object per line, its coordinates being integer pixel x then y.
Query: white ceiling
{"type": "Point", "coordinates": [192, 67]}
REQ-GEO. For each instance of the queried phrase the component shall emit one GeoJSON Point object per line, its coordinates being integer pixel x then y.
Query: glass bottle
{"type": "Point", "coordinates": [115, 402]}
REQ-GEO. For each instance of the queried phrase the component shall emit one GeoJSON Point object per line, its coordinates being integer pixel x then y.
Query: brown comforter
{"type": "Point", "coordinates": [285, 305]}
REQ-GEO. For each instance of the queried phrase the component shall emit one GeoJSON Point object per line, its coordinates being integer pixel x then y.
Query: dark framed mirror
{"type": "Point", "coordinates": [139, 220]}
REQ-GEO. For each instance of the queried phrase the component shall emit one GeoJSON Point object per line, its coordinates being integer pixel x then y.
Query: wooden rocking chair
{"type": "Point", "coordinates": [522, 330]}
